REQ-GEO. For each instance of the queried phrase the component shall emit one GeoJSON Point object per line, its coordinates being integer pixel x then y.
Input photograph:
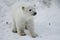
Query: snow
{"type": "Point", "coordinates": [47, 22]}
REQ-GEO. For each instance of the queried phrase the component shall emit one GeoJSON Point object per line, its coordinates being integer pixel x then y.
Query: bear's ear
{"type": "Point", "coordinates": [23, 7]}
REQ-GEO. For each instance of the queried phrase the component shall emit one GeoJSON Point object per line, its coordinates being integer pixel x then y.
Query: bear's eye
{"type": "Point", "coordinates": [30, 9]}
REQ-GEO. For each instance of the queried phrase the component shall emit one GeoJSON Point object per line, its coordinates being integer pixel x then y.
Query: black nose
{"type": "Point", "coordinates": [35, 13]}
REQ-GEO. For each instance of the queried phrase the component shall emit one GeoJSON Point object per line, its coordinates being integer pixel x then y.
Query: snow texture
{"type": "Point", "coordinates": [47, 21]}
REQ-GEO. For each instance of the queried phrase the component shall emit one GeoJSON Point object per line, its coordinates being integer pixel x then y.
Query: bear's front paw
{"type": "Point", "coordinates": [35, 35]}
{"type": "Point", "coordinates": [22, 34]}
{"type": "Point", "coordinates": [14, 31]}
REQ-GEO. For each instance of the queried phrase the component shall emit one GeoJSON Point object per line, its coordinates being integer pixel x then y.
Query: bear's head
{"type": "Point", "coordinates": [30, 10]}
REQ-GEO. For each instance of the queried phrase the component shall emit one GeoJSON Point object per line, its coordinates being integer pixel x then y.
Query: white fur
{"type": "Point", "coordinates": [21, 18]}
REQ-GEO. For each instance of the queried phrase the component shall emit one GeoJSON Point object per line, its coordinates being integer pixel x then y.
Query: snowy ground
{"type": "Point", "coordinates": [47, 23]}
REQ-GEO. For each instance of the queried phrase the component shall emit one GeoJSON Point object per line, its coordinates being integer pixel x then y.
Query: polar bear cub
{"type": "Point", "coordinates": [23, 17]}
